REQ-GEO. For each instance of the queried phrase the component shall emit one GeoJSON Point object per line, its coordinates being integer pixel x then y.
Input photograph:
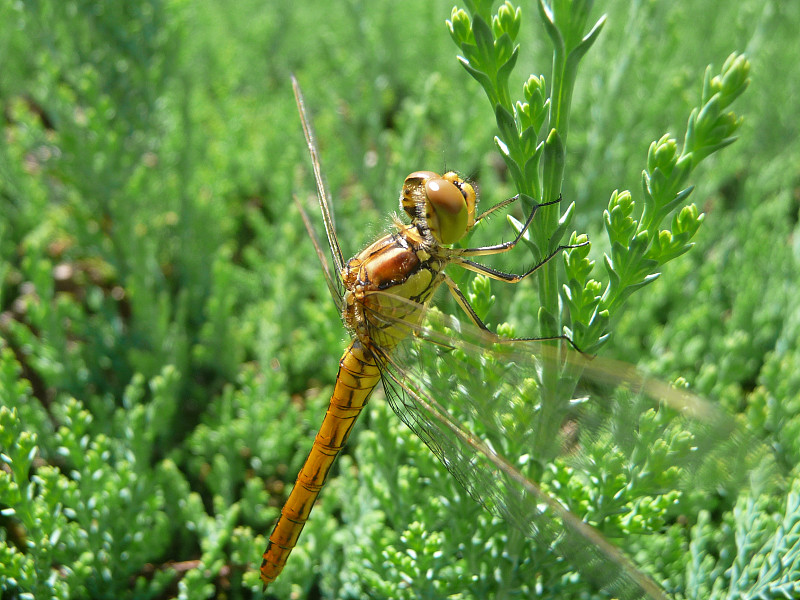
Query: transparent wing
{"type": "Point", "coordinates": [335, 285]}
{"type": "Point", "coordinates": [322, 190]}
{"type": "Point", "coordinates": [519, 446]}
{"type": "Point", "coordinates": [332, 275]}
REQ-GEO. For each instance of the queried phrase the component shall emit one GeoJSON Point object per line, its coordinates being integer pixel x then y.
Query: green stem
{"type": "Point", "coordinates": [549, 314]}
{"type": "Point", "coordinates": [553, 163]}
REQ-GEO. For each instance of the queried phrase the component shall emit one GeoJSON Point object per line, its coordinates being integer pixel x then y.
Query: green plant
{"type": "Point", "coordinates": [532, 137]}
{"type": "Point", "coordinates": [168, 345]}
{"type": "Point", "coordinates": [532, 141]}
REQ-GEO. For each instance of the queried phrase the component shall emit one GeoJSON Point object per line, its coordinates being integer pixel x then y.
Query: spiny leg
{"type": "Point", "coordinates": [457, 257]}
{"type": "Point", "coordinates": [464, 304]}
{"type": "Point", "coordinates": [462, 301]}
{"type": "Point", "coordinates": [498, 206]}
{"type": "Point", "coordinates": [505, 246]}
{"type": "Point", "coordinates": [510, 277]}
{"type": "Point", "coordinates": [511, 200]}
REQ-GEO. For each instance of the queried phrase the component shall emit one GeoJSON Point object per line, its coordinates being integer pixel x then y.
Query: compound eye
{"type": "Point", "coordinates": [445, 195]}
{"type": "Point", "coordinates": [416, 177]}
{"type": "Point", "coordinates": [450, 207]}
{"type": "Point", "coordinates": [413, 197]}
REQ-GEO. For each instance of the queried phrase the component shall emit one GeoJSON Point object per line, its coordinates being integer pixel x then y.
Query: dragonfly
{"type": "Point", "coordinates": [475, 398]}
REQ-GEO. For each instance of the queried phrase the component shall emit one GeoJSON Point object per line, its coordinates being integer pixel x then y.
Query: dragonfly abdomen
{"type": "Point", "coordinates": [358, 376]}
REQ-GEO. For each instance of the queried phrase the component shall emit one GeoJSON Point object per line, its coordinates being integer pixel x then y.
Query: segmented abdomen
{"type": "Point", "coordinates": [358, 376]}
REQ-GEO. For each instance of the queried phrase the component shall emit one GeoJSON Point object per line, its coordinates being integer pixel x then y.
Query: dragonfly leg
{"type": "Point", "coordinates": [511, 277]}
{"type": "Point", "coordinates": [508, 201]}
{"type": "Point", "coordinates": [462, 301]}
{"type": "Point", "coordinates": [496, 207]}
{"type": "Point", "coordinates": [505, 246]}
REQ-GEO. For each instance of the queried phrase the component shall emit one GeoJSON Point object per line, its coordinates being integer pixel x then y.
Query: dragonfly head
{"type": "Point", "coordinates": [446, 204]}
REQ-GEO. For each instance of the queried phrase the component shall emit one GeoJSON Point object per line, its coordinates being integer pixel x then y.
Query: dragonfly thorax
{"type": "Point", "coordinates": [441, 205]}
{"type": "Point", "coordinates": [402, 265]}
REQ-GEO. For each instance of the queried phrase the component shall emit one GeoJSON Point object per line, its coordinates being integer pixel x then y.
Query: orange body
{"type": "Point", "coordinates": [404, 264]}
{"type": "Point", "coordinates": [386, 288]}
{"type": "Point", "coordinates": [358, 376]}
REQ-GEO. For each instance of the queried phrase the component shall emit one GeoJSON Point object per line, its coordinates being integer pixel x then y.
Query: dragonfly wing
{"type": "Point", "coordinates": [505, 491]}
{"type": "Point", "coordinates": [335, 285]}
{"type": "Point", "coordinates": [479, 403]}
{"type": "Point", "coordinates": [322, 189]}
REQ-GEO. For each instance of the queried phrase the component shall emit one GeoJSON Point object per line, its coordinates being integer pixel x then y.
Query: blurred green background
{"type": "Point", "coordinates": [168, 344]}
